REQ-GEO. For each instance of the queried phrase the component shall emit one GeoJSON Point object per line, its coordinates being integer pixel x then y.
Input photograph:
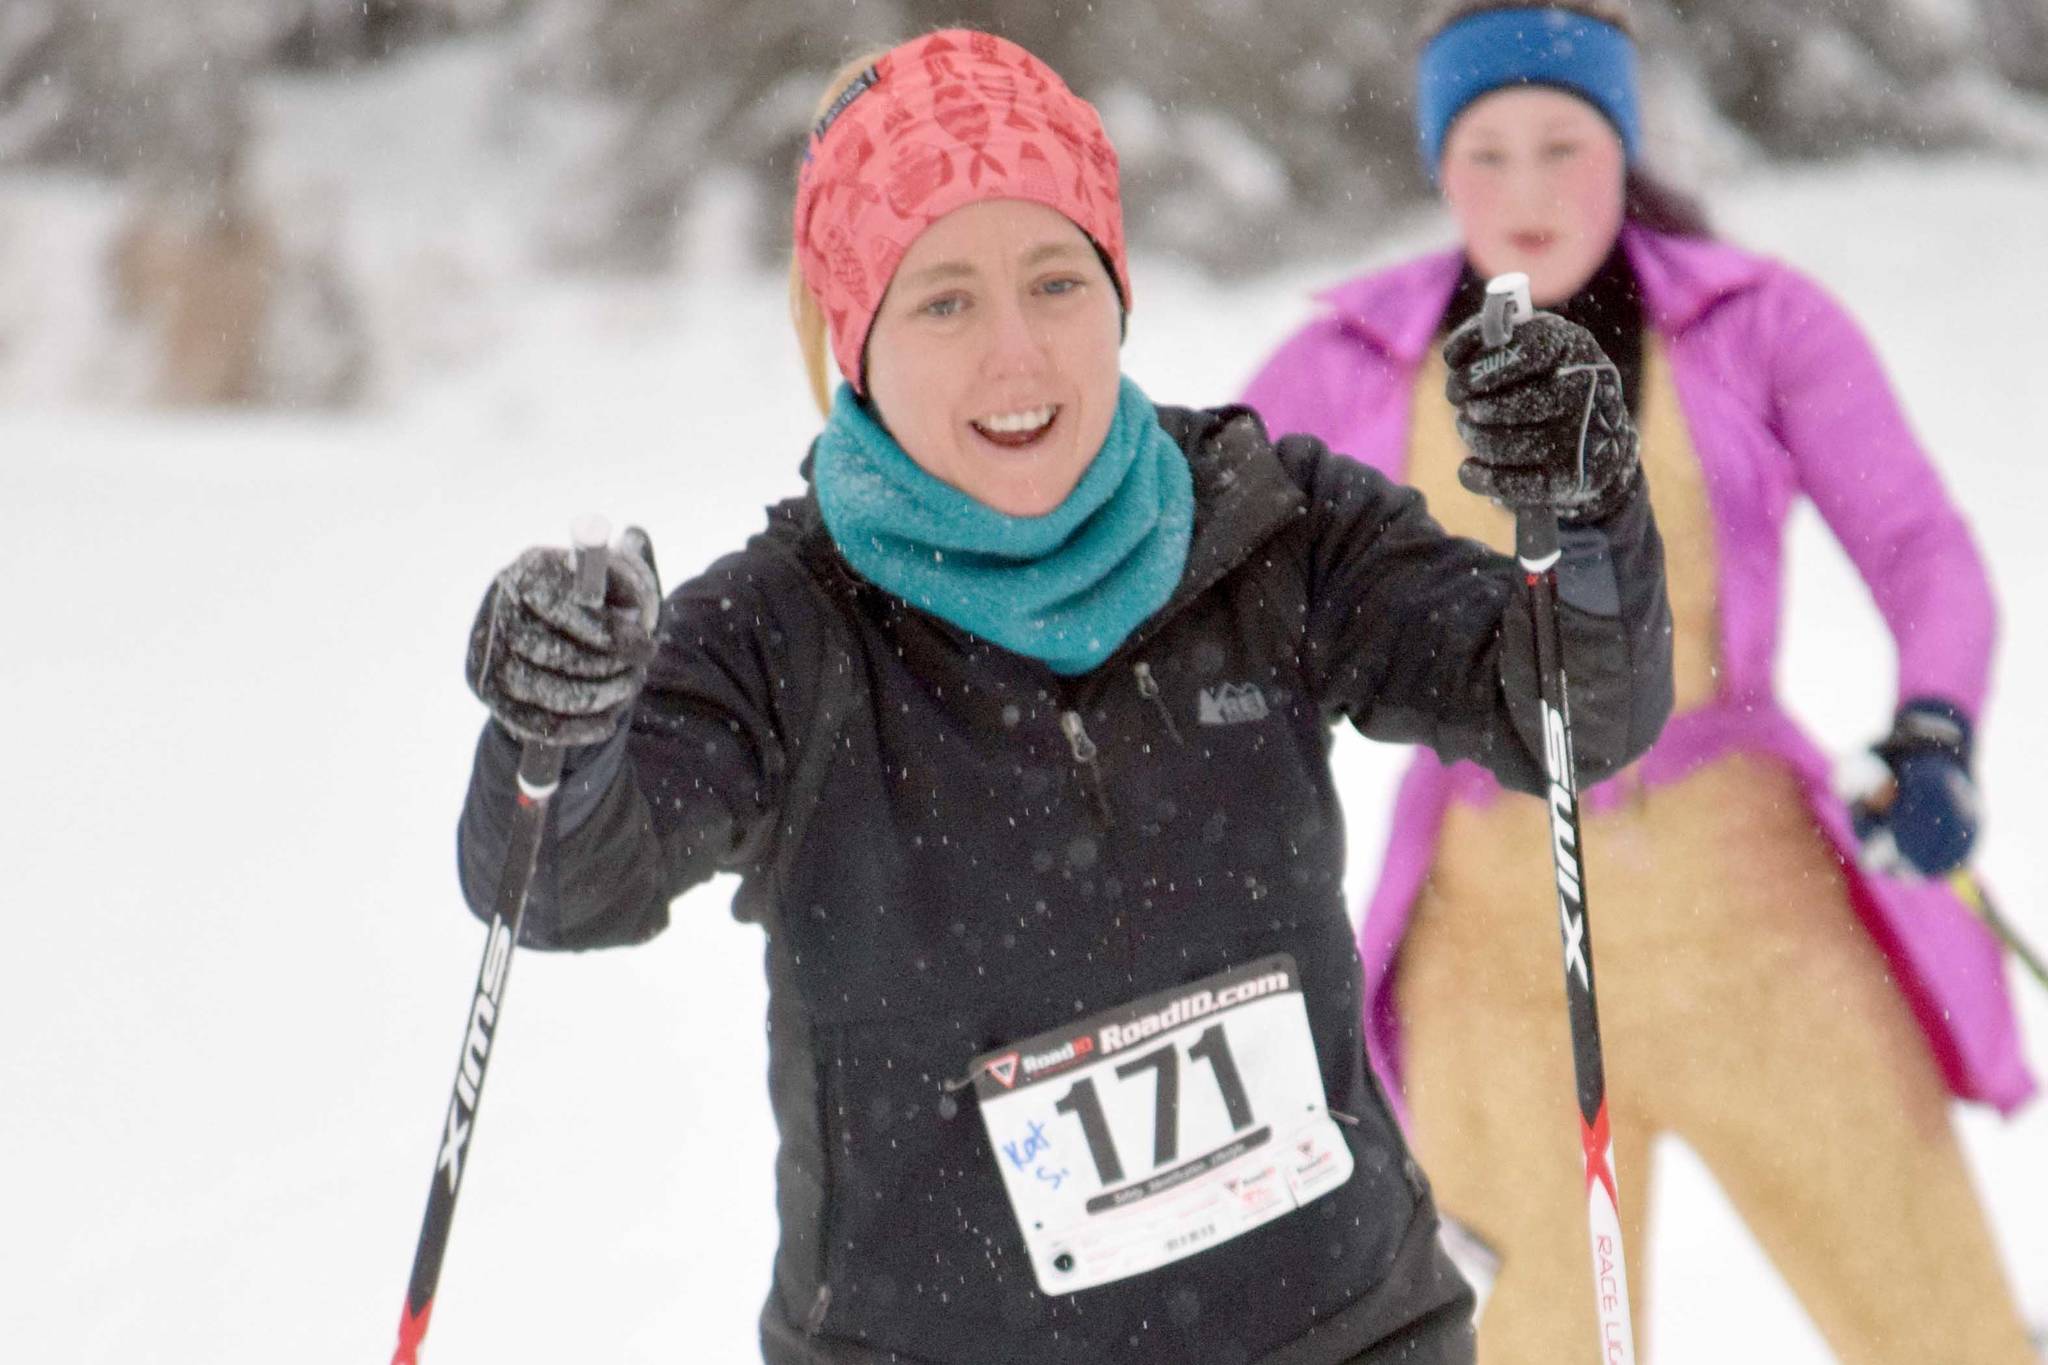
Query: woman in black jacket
{"type": "Point", "coordinates": [1015, 727]}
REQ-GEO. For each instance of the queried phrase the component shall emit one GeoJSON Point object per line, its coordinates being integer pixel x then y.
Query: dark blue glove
{"type": "Point", "coordinates": [1931, 816]}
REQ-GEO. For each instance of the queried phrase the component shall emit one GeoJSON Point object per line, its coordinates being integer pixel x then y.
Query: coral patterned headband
{"type": "Point", "coordinates": [941, 121]}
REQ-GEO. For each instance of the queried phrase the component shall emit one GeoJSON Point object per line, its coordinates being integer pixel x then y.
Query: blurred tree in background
{"type": "Point", "coordinates": [1256, 128]}
{"type": "Point", "coordinates": [1251, 130]}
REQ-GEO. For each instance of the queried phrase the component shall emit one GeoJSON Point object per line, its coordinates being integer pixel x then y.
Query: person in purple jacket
{"type": "Point", "coordinates": [1799, 1018]}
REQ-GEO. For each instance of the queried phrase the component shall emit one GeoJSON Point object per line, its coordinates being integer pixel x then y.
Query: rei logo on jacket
{"type": "Point", "coordinates": [1232, 704]}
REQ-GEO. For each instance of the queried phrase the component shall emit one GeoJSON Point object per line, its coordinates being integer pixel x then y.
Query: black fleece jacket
{"type": "Point", "coordinates": [952, 848]}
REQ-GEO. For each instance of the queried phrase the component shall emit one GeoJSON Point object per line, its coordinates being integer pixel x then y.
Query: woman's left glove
{"type": "Point", "coordinates": [1544, 419]}
{"type": "Point", "coordinates": [553, 669]}
{"type": "Point", "coordinates": [1928, 819]}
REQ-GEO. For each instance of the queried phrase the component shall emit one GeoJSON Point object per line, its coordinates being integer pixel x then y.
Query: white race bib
{"type": "Point", "coordinates": [1144, 1134]}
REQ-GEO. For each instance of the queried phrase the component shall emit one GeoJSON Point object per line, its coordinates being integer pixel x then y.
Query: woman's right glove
{"type": "Point", "coordinates": [1543, 418]}
{"type": "Point", "coordinates": [1926, 816]}
{"type": "Point", "coordinates": [553, 669]}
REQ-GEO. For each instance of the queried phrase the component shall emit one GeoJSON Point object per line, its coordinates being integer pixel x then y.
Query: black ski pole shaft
{"type": "Point", "coordinates": [1537, 548]}
{"type": "Point", "coordinates": [540, 773]}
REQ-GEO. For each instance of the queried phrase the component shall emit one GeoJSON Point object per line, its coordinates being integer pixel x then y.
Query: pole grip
{"type": "Point", "coordinates": [1507, 303]}
{"type": "Point", "coordinates": [540, 765]}
{"type": "Point", "coordinates": [589, 537]}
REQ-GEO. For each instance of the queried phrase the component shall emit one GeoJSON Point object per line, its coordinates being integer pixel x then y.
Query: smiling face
{"type": "Point", "coordinates": [1535, 180]}
{"type": "Point", "coordinates": [993, 357]}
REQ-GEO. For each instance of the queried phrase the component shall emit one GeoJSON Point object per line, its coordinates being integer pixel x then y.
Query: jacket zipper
{"type": "Point", "coordinates": [1085, 753]}
{"type": "Point", "coordinates": [1148, 688]}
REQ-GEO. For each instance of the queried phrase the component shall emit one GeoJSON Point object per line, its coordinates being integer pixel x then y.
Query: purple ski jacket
{"type": "Point", "coordinates": [1782, 396]}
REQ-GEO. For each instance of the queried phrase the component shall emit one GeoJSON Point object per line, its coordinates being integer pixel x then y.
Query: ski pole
{"type": "Point", "coordinates": [1870, 791]}
{"type": "Point", "coordinates": [540, 773]}
{"type": "Point", "coordinates": [1537, 547]}
{"type": "Point", "coordinates": [1965, 884]}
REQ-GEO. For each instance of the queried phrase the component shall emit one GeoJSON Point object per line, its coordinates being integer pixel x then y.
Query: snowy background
{"type": "Point", "coordinates": [236, 963]}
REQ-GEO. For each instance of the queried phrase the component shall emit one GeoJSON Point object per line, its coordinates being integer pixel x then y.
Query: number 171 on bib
{"type": "Point", "coordinates": [1147, 1133]}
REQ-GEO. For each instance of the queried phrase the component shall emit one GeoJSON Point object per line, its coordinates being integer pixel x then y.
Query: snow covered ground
{"type": "Point", "coordinates": [236, 963]}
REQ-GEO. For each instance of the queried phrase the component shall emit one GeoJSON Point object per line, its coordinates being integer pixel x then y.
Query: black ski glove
{"type": "Point", "coordinates": [1543, 418]}
{"type": "Point", "coordinates": [553, 670]}
{"type": "Point", "coordinates": [1926, 817]}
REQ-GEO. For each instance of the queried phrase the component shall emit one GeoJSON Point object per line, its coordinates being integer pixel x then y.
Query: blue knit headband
{"type": "Point", "coordinates": [1538, 45]}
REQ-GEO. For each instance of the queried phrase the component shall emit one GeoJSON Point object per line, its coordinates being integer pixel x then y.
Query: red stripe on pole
{"type": "Point", "coordinates": [1596, 1138]}
{"type": "Point", "coordinates": [412, 1330]}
